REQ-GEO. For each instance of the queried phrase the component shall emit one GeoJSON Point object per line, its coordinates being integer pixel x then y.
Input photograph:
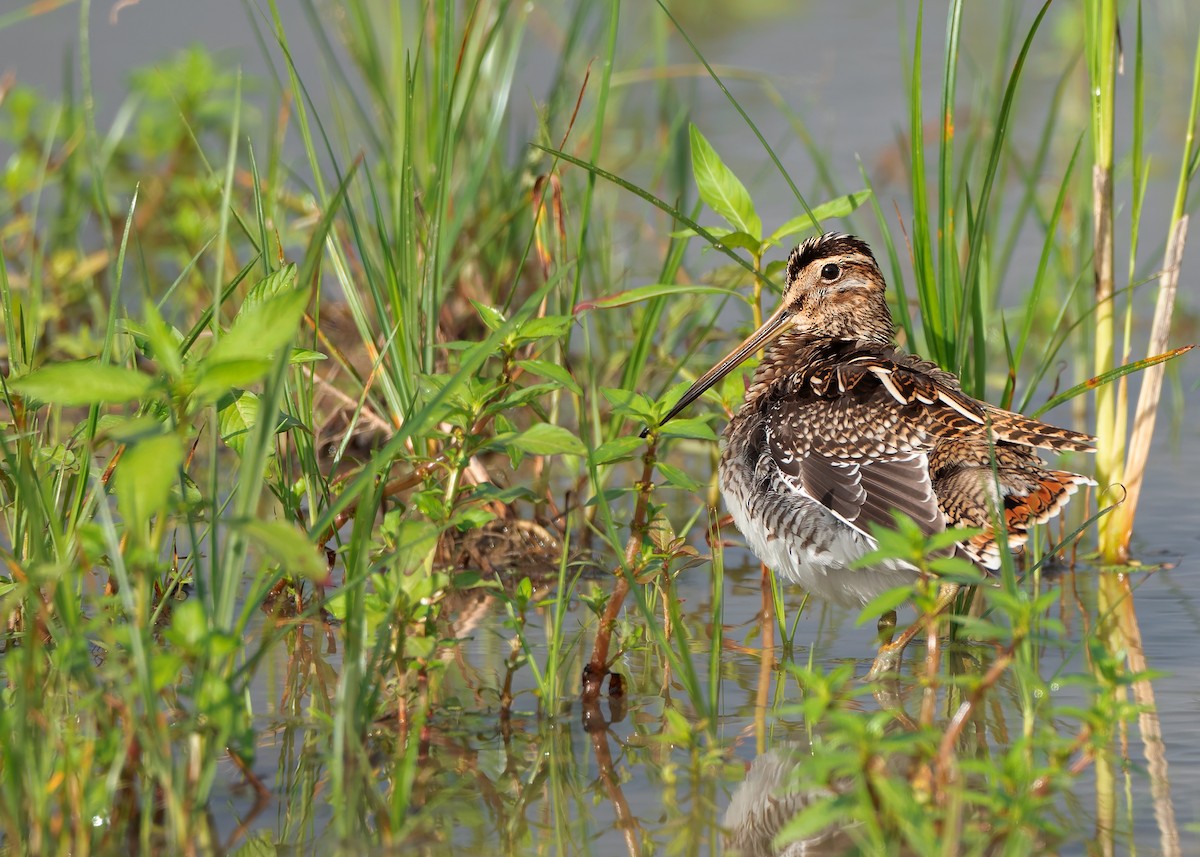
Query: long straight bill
{"type": "Point", "coordinates": [770, 329]}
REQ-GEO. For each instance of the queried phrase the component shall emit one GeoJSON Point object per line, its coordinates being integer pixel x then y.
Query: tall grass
{"type": "Point", "coordinates": [1123, 455]}
{"type": "Point", "coordinates": [199, 328]}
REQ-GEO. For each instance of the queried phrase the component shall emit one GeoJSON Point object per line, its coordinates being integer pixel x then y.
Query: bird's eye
{"type": "Point", "coordinates": [830, 272]}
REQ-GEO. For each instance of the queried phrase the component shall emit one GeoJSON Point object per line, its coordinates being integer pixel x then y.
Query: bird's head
{"type": "Point", "coordinates": [834, 290]}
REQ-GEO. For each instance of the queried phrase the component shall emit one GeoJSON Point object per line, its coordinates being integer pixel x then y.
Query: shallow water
{"type": "Point", "coordinates": [561, 784]}
{"type": "Point", "coordinates": [569, 784]}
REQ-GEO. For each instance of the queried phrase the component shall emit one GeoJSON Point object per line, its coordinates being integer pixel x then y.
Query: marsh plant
{"type": "Point", "coordinates": [285, 379]}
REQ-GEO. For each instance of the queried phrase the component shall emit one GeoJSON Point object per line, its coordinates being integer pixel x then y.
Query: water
{"type": "Point", "coordinates": [534, 783]}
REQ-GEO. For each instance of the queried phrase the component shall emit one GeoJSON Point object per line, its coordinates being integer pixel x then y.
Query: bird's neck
{"type": "Point", "coordinates": [794, 355]}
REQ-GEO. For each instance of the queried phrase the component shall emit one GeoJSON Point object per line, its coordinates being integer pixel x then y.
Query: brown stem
{"type": "Point", "coordinates": [933, 654]}
{"type": "Point", "coordinates": [765, 664]}
{"type": "Point", "coordinates": [597, 666]}
{"type": "Point", "coordinates": [626, 821]}
{"type": "Point", "coordinates": [1042, 784]}
{"type": "Point", "coordinates": [945, 755]}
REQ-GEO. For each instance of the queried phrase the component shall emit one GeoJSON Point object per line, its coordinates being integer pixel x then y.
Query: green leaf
{"type": "Point", "coordinates": [287, 546]}
{"type": "Point", "coordinates": [164, 342]}
{"type": "Point", "coordinates": [696, 428]}
{"type": "Point", "coordinates": [721, 189]}
{"type": "Point", "coordinates": [522, 396]}
{"type": "Point", "coordinates": [218, 379]}
{"type": "Point", "coordinates": [884, 602]}
{"type": "Point", "coordinates": [658, 290]}
{"type": "Point", "coordinates": [305, 355]}
{"type": "Point", "coordinates": [739, 240]}
{"type": "Point", "coordinates": [189, 626]}
{"type": "Point", "coordinates": [821, 813]}
{"type": "Point", "coordinates": [1110, 376]}
{"type": "Point", "coordinates": [493, 318]}
{"type": "Point", "coordinates": [273, 285]}
{"type": "Point", "coordinates": [83, 382]}
{"type": "Point", "coordinates": [952, 536]}
{"type": "Point", "coordinates": [630, 403]}
{"type": "Point", "coordinates": [956, 569]}
{"type": "Point", "coordinates": [678, 477]}
{"type": "Point", "coordinates": [553, 326]}
{"type": "Point", "coordinates": [546, 369]}
{"type": "Point", "coordinates": [617, 449]}
{"type": "Point", "coordinates": [488, 492]}
{"type": "Point", "coordinates": [263, 325]}
{"type": "Point", "coordinates": [713, 232]}
{"type": "Point", "coordinates": [727, 239]}
{"type": "Point", "coordinates": [236, 417]}
{"type": "Point", "coordinates": [144, 478]}
{"type": "Point", "coordinates": [128, 430]}
{"type": "Point", "coordinates": [547, 439]}
{"type": "Point", "coordinates": [838, 207]}
{"type": "Point", "coordinates": [415, 541]}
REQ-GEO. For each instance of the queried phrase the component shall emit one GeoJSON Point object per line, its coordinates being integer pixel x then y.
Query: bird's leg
{"type": "Point", "coordinates": [886, 627]}
{"type": "Point", "coordinates": [888, 658]}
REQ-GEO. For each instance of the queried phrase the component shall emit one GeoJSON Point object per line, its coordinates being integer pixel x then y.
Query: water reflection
{"type": "Point", "coordinates": [636, 771]}
{"type": "Point", "coordinates": [766, 802]}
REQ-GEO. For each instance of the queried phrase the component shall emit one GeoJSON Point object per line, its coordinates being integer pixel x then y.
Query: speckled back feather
{"type": "Point", "coordinates": [840, 427]}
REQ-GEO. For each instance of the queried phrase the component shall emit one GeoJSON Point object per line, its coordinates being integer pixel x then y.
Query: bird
{"type": "Point", "coordinates": [840, 428]}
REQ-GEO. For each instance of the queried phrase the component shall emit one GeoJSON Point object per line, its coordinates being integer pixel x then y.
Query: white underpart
{"type": "Point", "coordinates": [806, 543]}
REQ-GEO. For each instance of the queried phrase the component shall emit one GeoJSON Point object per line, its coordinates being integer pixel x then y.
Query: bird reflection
{"type": "Point", "coordinates": [765, 802]}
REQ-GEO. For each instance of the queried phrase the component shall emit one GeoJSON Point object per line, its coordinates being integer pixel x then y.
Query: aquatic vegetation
{"type": "Point", "coordinates": [332, 454]}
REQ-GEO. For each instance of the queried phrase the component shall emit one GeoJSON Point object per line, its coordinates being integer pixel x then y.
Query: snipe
{"type": "Point", "coordinates": [839, 427]}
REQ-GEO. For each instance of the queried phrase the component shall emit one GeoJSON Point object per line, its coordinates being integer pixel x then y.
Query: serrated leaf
{"type": "Point", "coordinates": [720, 189]}
{"type": "Point", "coordinates": [617, 449]}
{"type": "Point", "coordinates": [631, 403]}
{"type": "Point", "coordinates": [286, 545]}
{"type": "Point", "coordinates": [147, 472]}
{"type": "Point", "coordinates": [838, 207]}
{"type": "Point", "coordinates": [678, 477]}
{"type": "Point", "coordinates": [305, 355]}
{"type": "Point", "coordinates": [271, 286]}
{"type": "Point", "coordinates": [738, 240]}
{"type": "Point", "coordinates": [491, 317]}
{"type": "Point", "coordinates": [553, 326]}
{"type": "Point", "coordinates": [217, 379]}
{"type": "Point", "coordinates": [261, 327]}
{"type": "Point", "coordinates": [821, 813]}
{"type": "Point", "coordinates": [83, 382]}
{"type": "Point", "coordinates": [236, 416]}
{"type": "Point", "coordinates": [696, 428]}
{"type": "Point", "coordinates": [546, 369]}
{"type": "Point", "coordinates": [547, 439]}
{"type": "Point", "coordinates": [885, 602]}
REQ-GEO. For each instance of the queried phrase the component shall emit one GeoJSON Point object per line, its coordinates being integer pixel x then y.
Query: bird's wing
{"type": "Point", "coordinates": [861, 491]}
{"type": "Point", "coordinates": [901, 483]}
{"type": "Point", "coordinates": [857, 436]}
